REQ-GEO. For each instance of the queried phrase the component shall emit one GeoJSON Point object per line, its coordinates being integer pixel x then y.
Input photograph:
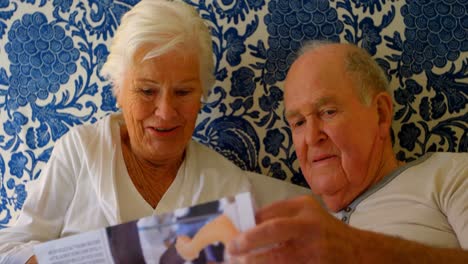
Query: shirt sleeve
{"type": "Point", "coordinates": [267, 190]}
{"type": "Point", "coordinates": [19, 253]}
{"type": "Point", "coordinates": [43, 212]}
{"type": "Point", "coordinates": [455, 198]}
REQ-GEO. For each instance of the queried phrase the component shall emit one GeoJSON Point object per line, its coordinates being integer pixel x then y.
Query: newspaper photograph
{"type": "Point", "coordinates": [196, 234]}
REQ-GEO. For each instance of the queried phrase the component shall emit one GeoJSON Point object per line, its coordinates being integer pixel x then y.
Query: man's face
{"type": "Point", "coordinates": [334, 133]}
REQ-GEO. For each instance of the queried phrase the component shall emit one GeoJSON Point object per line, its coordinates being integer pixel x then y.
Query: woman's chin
{"type": "Point", "coordinates": [165, 149]}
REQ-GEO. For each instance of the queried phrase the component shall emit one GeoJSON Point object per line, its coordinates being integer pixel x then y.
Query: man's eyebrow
{"type": "Point", "coordinates": [324, 100]}
{"type": "Point", "coordinates": [290, 114]}
{"type": "Point", "coordinates": [314, 106]}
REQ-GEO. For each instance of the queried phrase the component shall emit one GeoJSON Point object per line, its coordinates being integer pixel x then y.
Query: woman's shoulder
{"type": "Point", "coordinates": [94, 131]}
{"type": "Point", "coordinates": [210, 163]}
{"type": "Point", "coordinates": [88, 137]}
{"type": "Point", "coordinates": [207, 154]}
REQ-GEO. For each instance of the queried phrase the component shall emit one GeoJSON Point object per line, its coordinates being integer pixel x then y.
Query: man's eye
{"type": "Point", "coordinates": [327, 113]}
{"type": "Point", "coordinates": [298, 123]}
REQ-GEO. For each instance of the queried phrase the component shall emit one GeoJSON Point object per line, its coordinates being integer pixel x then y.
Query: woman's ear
{"type": "Point", "coordinates": [384, 105]}
{"type": "Point", "coordinates": [117, 97]}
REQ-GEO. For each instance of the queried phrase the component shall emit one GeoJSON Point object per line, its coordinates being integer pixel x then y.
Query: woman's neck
{"type": "Point", "coordinates": [151, 178]}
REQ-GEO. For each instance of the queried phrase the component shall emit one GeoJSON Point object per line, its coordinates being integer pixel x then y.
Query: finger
{"type": "Point", "coordinates": [267, 235]}
{"type": "Point", "coordinates": [285, 208]}
{"type": "Point", "coordinates": [280, 254]}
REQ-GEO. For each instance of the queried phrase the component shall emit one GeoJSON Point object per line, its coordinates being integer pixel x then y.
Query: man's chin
{"type": "Point", "coordinates": [333, 202]}
{"type": "Point", "coordinates": [332, 196]}
{"type": "Point", "coordinates": [322, 185]}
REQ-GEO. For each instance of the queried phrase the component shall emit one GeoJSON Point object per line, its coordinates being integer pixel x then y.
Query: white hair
{"type": "Point", "coordinates": [166, 25]}
{"type": "Point", "coordinates": [370, 77]}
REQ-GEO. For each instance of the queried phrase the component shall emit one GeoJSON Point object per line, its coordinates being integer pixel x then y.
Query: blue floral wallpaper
{"type": "Point", "coordinates": [51, 53]}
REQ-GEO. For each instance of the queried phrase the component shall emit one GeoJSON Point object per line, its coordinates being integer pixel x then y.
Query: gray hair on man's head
{"type": "Point", "coordinates": [167, 26]}
{"type": "Point", "coordinates": [369, 76]}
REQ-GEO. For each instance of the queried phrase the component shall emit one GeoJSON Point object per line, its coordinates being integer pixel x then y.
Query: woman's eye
{"type": "Point", "coordinates": [147, 92]}
{"type": "Point", "coordinates": [183, 92]}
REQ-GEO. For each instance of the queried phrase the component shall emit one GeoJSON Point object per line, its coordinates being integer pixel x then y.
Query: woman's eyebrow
{"type": "Point", "coordinates": [146, 80]}
{"type": "Point", "coordinates": [194, 79]}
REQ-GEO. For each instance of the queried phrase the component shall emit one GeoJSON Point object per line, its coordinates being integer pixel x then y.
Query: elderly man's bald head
{"type": "Point", "coordinates": [368, 76]}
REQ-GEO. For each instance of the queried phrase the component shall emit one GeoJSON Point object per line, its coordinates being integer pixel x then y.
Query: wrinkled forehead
{"type": "Point", "coordinates": [321, 67]}
{"type": "Point", "coordinates": [314, 70]}
{"type": "Point", "coordinates": [315, 80]}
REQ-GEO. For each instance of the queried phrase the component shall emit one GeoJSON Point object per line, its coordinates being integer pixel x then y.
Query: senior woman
{"type": "Point", "coordinates": [141, 161]}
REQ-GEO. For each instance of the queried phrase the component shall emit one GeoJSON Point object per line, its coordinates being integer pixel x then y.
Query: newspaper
{"type": "Point", "coordinates": [195, 234]}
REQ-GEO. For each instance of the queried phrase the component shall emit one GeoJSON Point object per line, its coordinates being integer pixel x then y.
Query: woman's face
{"type": "Point", "coordinates": [160, 100]}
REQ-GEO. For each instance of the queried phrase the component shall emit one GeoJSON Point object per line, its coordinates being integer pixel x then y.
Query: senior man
{"type": "Point", "coordinates": [380, 210]}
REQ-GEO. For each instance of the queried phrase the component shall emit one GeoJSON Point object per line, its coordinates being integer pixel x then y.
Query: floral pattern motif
{"type": "Point", "coordinates": [52, 52]}
{"type": "Point", "coordinates": [42, 58]}
{"type": "Point", "coordinates": [291, 22]}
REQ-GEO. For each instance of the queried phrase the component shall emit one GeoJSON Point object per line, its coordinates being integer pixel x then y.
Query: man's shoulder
{"type": "Point", "coordinates": [441, 159]}
{"type": "Point", "coordinates": [449, 155]}
{"type": "Point", "coordinates": [436, 167]}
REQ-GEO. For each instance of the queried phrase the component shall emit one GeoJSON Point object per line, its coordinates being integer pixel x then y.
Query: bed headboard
{"type": "Point", "coordinates": [51, 53]}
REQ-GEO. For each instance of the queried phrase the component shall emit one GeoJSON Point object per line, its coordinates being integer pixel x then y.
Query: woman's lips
{"type": "Point", "coordinates": [160, 131]}
{"type": "Point", "coordinates": [164, 129]}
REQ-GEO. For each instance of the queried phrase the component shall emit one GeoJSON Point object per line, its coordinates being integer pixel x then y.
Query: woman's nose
{"type": "Point", "coordinates": [166, 107]}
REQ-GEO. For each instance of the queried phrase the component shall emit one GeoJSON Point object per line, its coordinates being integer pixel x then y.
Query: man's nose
{"type": "Point", "coordinates": [314, 132]}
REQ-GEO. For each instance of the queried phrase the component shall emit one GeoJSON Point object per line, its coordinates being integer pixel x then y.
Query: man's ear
{"type": "Point", "coordinates": [384, 104]}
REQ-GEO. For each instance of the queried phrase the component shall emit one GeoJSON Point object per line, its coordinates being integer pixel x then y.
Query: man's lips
{"type": "Point", "coordinates": [323, 157]}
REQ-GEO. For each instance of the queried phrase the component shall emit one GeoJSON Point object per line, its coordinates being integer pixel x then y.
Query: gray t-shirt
{"type": "Point", "coordinates": [425, 201]}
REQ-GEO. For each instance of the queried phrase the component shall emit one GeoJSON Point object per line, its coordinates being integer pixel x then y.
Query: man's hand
{"type": "Point", "coordinates": [32, 260]}
{"type": "Point", "coordinates": [298, 230]}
